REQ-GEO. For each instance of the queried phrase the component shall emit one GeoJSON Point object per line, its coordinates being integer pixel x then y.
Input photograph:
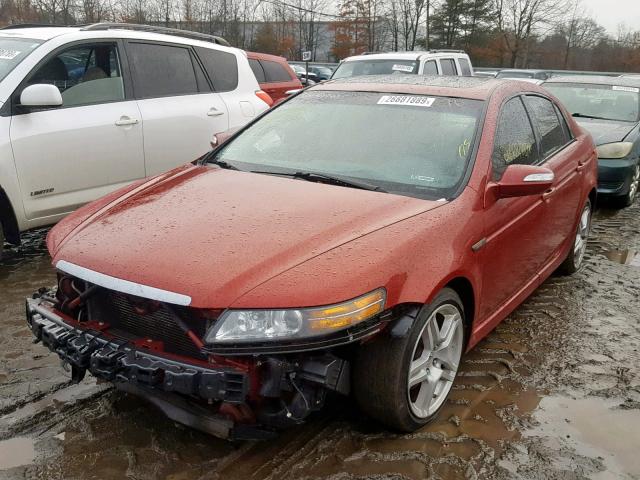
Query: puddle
{"type": "Point", "coordinates": [595, 428]}
{"type": "Point", "coordinates": [625, 257]}
{"type": "Point", "coordinates": [16, 452]}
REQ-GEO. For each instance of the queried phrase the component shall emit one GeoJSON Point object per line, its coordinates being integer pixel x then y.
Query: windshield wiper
{"type": "Point", "coordinates": [582, 115]}
{"type": "Point", "coordinates": [324, 178]}
{"type": "Point", "coordinates": [221, 163]}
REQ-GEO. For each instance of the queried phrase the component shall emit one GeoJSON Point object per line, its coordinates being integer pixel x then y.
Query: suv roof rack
{"type": "Point", "coordinates": [153, 29]}
{"type": "Point", "coordinates": [34, 25]}
{"type": "Point", "coordinates": [445, 50]}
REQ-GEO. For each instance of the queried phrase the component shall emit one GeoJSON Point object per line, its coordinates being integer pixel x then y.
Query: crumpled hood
{"type": "Point", "coordinates": [215, 234]}
{"type": "Point", "coordinates": [605, 131]}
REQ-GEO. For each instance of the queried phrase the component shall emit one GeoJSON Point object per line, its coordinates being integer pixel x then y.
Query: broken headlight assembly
{"type": "Point", "coordinates": [236, 326]}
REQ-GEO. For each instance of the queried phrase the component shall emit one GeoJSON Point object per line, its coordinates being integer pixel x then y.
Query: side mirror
{"type": "Point", "coordinates": [521, 181]}
{"type": "Point", "coordinates": [41, 95]}
{"type": "Point", "coordinates": [220, 138]}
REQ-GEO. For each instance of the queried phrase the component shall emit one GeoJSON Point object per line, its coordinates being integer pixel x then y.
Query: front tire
{"type": "Point", "coordinates": [404, 382]}
{"type": "Point", "coordinates": [575, 257]}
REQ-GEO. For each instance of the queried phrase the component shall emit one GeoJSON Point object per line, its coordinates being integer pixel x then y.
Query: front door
{"type": "Point", "coordinates": [70, 155]}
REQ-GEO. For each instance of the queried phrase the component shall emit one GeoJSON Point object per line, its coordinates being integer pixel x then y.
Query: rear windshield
{"type": "Point", "coordinates": [13, 51]}
{"type": "Point", "coordinates": [375, 67]}
{"type": "Point", "coordinates": [411, 145]}
{"type": "Point", "coordinates": [610, 102]}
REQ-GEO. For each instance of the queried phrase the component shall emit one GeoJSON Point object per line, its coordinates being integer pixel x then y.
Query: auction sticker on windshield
{"type": "Point", "coordinates": [8, 54]}
{"type": "Point", "coordinates": [626, 89]}
{"type": "Point", "coordinates": [402, 68]}
{"type": "Point", "coordinates": [403, 100]}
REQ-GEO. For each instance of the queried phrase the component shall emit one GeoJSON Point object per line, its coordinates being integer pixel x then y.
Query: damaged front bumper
{"type": "Point", "coordinates": [276, 391]}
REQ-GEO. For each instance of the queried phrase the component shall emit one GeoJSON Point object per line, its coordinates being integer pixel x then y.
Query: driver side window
{"type": "Point", "coordinates": [514, 142]}
{"type": "Point", "coordinates": [85, 74]}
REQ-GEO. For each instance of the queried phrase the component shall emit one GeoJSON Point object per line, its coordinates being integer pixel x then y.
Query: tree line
{"type": "Point", "coordinates": [558, 34]}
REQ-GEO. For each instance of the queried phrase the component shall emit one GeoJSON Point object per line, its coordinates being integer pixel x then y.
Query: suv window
{"type": "Point", "coordinates": [257, 70]}
{"type": "Point", "coordinates": [430, 68]}
{"type": "Point", "coordinates": [162, 70]}
{"type": "Point", "coordinates": [552, 135]}
{"type": "Point", "coordinates": [84, 75]}
{"type": "Point", "coordinates": [514, 141]}
{"type": "Point", "coordinates": [448, 66]}
{"type": "Point", "coordinates": [275, 72]}
{"type": "Point", "coordinates": [465, 66]}
{"type": "Point", "coordinates": [222, 68]}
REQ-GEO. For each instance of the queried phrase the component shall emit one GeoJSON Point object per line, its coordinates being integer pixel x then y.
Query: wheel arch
{"type": "Point", "coordinates": [8, 220]}
{"type": "Point", "coordinates": [464, 288]}
{"type": "Point", "coordinates": [593, 196]}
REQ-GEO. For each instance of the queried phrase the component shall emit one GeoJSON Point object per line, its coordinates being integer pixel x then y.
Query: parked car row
{"type": "Point", "coordinates": [357, 238]}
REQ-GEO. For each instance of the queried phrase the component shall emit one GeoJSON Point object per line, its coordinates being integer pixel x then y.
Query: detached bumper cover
{"type": "Point", "coordinates": [614, 176]}
{"type": "Point", "coordinates": [117, 361]}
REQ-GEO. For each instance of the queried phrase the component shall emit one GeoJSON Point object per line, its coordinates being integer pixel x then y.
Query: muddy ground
{"type": "Point", "coordinates": [552, 393]}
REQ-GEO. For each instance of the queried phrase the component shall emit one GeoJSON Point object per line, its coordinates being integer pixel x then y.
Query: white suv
{"type": "Point", "coordinates": [86, 110]}
{"type": "Point", "coordinates": [433, 62]}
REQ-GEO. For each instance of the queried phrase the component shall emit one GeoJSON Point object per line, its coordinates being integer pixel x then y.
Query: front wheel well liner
{"type": "Point", "coordinates": [463, 287]}
{"type": "Point", "coordinates": [8, 220]}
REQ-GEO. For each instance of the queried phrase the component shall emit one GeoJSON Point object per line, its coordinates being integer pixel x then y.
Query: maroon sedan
{"type": "Point", "coordinates": [358, 238]}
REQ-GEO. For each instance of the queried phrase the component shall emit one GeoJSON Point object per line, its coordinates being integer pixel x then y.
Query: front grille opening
{"type": "Point", "coordinates": [132, 318]}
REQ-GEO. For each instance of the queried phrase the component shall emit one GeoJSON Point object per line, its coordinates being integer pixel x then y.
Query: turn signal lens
{"type": "Point", "coordinates": [263, 325]}
{"type": "Point", "coordinates": [614, 150]}
{"type": "Point", "coordinates": [265, 97]}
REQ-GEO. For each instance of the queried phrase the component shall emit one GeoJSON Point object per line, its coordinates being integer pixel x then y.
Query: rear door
{"type": "Point", "coordinates": [558, 153]}
{"type": "Point", "coordinates": [70, 155]}
{"type": "Point", "coordinates": [179, 108]}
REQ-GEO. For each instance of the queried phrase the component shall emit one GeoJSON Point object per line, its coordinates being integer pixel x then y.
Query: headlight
{"type": "Point", "coordinates": [264, 325]}
{"type": "Point", "coordinates": [614, 150]}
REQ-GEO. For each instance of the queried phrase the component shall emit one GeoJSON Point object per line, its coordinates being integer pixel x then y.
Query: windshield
{"type": "Point", "coordinates": [610, 102]}
{"type": "Point", "coordinates": [375, 67]}
{"type": "Point", "coordinates": [411, 145]}
{"type": "Point", "coordinates": [13, 51]}
{"type": "Point", "coordinates": [514, 75]}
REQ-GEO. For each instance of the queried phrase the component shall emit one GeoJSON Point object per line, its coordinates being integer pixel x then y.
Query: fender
{"type": "Point", "coordinates": [8, 220]}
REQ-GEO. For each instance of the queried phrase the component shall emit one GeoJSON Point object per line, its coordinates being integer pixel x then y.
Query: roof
{"type": "Point", "coordinates": [479, 88]}
{"type": "Point", "coordinates": [265, 56]}
{"type": "Point", "coordinates": [523, 70]}
{"type": "Point", "coordinates": [414, 55]}
{"type": "Point", "coordinates": [598, 80]}
{"type": "Point", "coordinates": [38, 33]}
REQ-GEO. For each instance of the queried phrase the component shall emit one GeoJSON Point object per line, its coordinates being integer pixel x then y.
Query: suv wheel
{"type": "Point", "coordinates": [404, 382]}
{"type": "Point", "coordinates": [1, 241]}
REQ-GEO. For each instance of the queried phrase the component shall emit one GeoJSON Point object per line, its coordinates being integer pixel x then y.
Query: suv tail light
{"type": "Point", "coordinates": [265, 97]}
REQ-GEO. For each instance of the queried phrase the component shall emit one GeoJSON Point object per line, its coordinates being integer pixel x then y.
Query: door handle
{"type": "Point", "coordinates": [124, 121]}
{"type": "Point", "coordinates": [548, 193]}
{"type": "Point", "coordinates": [214, 112]}
{"type": "Point", "coordinates": [582, 164]}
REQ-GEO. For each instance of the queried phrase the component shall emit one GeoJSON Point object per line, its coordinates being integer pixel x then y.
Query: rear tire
{"type": "Point", "coordinates": [404, 382]}
{"type": "Point", "coordinates": [2, 238]}
{"type": "Point", "coordinates": [575, 257]}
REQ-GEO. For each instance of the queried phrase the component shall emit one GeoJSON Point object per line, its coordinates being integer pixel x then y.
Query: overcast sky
{"type": "Point", "coordinates": [609, 13]}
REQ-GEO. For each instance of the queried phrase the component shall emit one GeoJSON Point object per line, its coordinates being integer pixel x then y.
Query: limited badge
{"type": "Point", "coordinates": [406, 100]}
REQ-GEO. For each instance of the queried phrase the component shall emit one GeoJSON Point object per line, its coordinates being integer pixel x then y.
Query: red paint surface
{"type": "Point", "coordinates": [236, 239]}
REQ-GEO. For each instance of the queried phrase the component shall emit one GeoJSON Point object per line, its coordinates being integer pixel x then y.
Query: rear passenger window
{"type": "Point", "coordinates": [552, 135]}
{"type": "Point", "coordinates": [222, 68]}
{"type": "Point", "coordinates": [275, 72]}
{"type": "Point", "coordinates": [448, 66]}
{"type": "Point", "coordinates": [162, 70]}
{"type": "Point", "coordinates": [430, 68]}
{"type": "Point", "coordinates": [514, 142]}
{"type": "Point", "coordinates": [465, 66]}
{"type": "Point", "coordinates": [257, 70]}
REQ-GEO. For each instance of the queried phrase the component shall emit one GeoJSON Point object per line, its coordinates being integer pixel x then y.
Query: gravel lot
{"type": "Point", "coordinates": [552, 393]}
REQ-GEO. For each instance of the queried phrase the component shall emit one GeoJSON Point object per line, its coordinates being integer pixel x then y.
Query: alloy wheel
{"type": "Point", "coordinates": [435, 360]}
{"type": "Point", "coordinates": [635, 184]}
{"type": "Point", "coordinates": [582, 235]}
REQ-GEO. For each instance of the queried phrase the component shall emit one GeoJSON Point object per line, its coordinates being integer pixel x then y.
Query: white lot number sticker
{"type": "Point", "coordinates": [8, 54]}
{"type": "Point", "coordinates": [404, 100]}
{"type": "Point", "coordinates": [626, 89]}
{"type": "Point", "coordinates": [402, 68]}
